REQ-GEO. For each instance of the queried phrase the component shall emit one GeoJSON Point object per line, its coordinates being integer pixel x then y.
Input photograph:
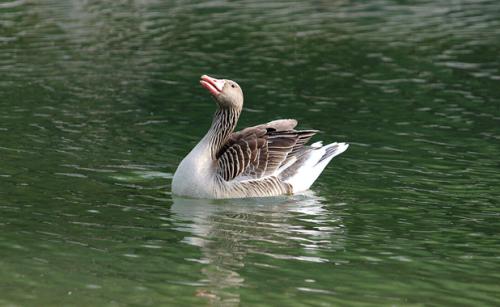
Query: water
{"type": "Point", "coordinates": [99, 102]}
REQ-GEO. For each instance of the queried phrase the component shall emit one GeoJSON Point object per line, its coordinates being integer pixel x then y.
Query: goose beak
{"type": "Point", "coordinates": [214, 86]}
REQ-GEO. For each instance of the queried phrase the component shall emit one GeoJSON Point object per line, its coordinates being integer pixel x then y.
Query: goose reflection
{"type": "Point", "coordinates": [230, 232]}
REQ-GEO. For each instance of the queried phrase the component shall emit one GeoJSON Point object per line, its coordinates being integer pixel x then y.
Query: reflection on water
{"type": "Point", "coordinates": [228, 231]}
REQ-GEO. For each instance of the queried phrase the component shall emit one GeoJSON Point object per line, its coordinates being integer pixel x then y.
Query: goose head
{"type": "Point", "coordinates": [227, 93]}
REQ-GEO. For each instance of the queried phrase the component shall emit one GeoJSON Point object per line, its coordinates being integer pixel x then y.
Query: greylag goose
{"type": "Point", "coordinates": [265, 160]}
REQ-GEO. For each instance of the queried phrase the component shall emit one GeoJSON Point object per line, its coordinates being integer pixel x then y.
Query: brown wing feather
{"type": "Point", "coordinates": [259, 151]}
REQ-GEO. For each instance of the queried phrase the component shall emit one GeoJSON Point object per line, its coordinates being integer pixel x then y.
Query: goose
{"type": "Point", "coordinates": [265, 160]}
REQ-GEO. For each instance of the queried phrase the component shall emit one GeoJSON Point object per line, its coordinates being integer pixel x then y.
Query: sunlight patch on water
{"type": "Point", "coordinates": [72, 175]}
{"type": "Point", "coordinates": [142, 175]}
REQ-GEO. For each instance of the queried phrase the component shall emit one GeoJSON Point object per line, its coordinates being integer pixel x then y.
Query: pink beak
{"type": "Point", "coordinates": [214, 86]}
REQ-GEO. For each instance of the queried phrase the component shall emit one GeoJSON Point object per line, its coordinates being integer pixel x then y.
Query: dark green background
{"type": "Point", "coordinates": [99, 102]}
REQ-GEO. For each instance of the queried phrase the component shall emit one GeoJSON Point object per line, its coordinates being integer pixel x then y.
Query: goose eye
{"type": "Point", "coordinates": [233, 86]}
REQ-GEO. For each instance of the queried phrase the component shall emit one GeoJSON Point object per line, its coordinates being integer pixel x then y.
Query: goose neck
{"type": "Point", "coordinates": [223, 124]}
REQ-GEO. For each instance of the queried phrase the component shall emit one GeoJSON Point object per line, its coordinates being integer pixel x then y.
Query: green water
{"type": "Point", "coordinates": [99, 102]}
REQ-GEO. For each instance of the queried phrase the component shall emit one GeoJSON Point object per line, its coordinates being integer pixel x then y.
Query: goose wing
{"type": "Point", "coordinates": [260, 151]}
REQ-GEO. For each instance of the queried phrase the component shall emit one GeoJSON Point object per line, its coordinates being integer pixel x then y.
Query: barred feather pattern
{"type": "Point", "coordinates": [258, 152]}
{"type": "Point", "coordinates": [223, 124]}
{"type": "Point", "coordinates": [269, 186]}
{"type": "Point", "coordinates": [248, 160]}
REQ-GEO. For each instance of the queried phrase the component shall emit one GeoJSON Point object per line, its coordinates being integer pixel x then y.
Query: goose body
{"type": "Point", "coordinates": [265, 160]}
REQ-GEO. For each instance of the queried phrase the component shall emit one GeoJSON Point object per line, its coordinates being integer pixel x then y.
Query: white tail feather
{"type": "Point", "coordinates": [311, 168]}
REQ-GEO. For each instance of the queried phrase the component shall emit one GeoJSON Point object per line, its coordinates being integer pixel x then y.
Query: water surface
{"type": "Point", "coordinates": [100, 101]}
